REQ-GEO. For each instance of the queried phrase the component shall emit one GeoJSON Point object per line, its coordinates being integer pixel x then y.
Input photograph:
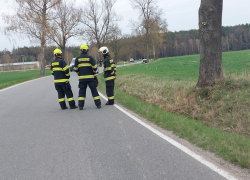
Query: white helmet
{"type": "Point", "coordinates": [104, 50]}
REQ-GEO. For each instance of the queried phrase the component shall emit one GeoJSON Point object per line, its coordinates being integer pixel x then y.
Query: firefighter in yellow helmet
{"type": "Point", "coordinates": [109, 74]}
{"type": "Point", "coordinates": [60, 71]}
{"type": "Point", "coordinates": [86, 68]}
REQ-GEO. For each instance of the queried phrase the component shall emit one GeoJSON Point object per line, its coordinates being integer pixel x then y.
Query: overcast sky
{"type": "Point", "coordinates": [180, 15]}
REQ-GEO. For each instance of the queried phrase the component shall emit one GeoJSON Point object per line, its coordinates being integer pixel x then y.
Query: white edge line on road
{"type": "Point", "coordinates": [176, 144]}
{"type": "Point", "coordinates": [22, 83]}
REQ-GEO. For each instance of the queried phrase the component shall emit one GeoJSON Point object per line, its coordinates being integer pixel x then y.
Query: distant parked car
{"type": "Point", "coordinates": [144, 61]}
{"type": "Point", "coordinates": [48, 66]}
{"type": "Point", "coordinates": [131, 60]}
{"type": "Point", "coordinates": [72, 64]}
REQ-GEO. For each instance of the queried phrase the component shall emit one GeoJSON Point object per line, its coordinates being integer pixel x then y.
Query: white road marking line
{"type": "Point", "coordinates": [178, 145]}
{"type": "Point", "coordinates": [22, 83]}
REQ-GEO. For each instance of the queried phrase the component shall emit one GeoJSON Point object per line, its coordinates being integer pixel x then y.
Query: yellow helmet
{"type": "Point", "coordinates": [84, 46]}
{"type": "Point", "coordinates": [57, 51]}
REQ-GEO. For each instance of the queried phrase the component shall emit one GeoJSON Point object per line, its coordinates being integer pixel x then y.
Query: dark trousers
{"type": "Point", "coordinates": [110, 85]}
{"type": "Point", "coordinates": [62, 89]}
{"type": "Point", "coordinates": [82, 92]}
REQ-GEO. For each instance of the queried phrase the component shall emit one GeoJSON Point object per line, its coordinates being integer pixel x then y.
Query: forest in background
{"type": "Point", "coordinates": [169, 44]}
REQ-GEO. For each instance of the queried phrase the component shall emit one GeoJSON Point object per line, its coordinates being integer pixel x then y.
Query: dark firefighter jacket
{"type": "Point", "coordinates": [60, 70]}
{"type": "Point", "coordinates": [109, 68]}
{"type": "Point", "coordinates": [85, 67]}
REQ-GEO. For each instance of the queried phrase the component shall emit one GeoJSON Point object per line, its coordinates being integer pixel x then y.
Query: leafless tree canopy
{"type": "Point", "coordinates": [65, 25]}
{"type": "Point", "coordinates": [29, 17]}
{"type": "Point", "coordinates": [99, 20]}
{"type": "Point", "coordinates": [116, 44]}
{"type": "Point", "coordinates": [30, 20]}
{"type": "Point", "coordinates": [150, 14]}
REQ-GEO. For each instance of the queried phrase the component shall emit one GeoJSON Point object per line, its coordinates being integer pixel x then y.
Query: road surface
{"type": "Point", "coordinates": [40, 141]}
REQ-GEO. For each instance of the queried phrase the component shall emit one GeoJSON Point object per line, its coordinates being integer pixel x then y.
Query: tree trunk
{"type": "Point", "coordinates": [42, 71]}
{"type": "Point", "coordinates": [63, 46]}
{"type": "Point", "coordinates": [147, 41]}
{"type": "Point", "coordinates": [210, 20]}
{"type": "Point", "coordinates": [63, 49]}
{"type": "Point", "coordinates": [154, 49]}
{"type": "Point", "coordinates": [43, 39]}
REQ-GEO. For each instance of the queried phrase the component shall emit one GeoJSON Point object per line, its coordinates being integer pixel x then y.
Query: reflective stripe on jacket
{"type": "Point", "coordinates": [109, 68]}
{"type": "Point", "coordinates": [60, 70]}
{"type": "Point", "coordinates": [85, 67]}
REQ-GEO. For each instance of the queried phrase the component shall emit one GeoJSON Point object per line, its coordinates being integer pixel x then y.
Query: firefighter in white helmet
{"type": "Point", "coordinates": [109, 74]}
{"type": "Point", "coordinates": [86, 68]}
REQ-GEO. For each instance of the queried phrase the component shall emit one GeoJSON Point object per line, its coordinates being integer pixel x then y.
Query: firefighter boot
{"type": "Point", "coordinates": [109, 103]}
{"type": "Point", "coordinates": [74, 107]}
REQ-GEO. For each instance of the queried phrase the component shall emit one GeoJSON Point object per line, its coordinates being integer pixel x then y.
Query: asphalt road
{"type": "Point", "coordinates": [39, 141]}
{"type": "Point", "coordinates": [129, 64]}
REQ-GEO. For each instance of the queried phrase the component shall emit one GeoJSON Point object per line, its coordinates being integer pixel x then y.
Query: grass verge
{"type": "Point", "coordinates": [14, 77]}
{"type": "Point", "coordinates": [216, 118]}
{"type": "Point", "coordinates": [224, 105]}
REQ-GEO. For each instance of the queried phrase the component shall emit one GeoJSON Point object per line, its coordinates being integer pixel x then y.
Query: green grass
{"type": "Point", "coordinates": [216, 119]}
{"type": "Point", "coordinates": [187, 67]}
{"type": "Point", "coordinates": [14, 77]}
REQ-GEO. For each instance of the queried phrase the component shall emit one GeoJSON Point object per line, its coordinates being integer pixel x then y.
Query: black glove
{"type": "Point", "coordinates": [96, 79]}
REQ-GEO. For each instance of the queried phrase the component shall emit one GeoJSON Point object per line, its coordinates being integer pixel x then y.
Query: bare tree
{"type": "Point", "coordinates": [66, 24]}
{"type": "Point", "coordinates": [184, 46]}
{"type": "Point", "coordinates": [99, 21]}
{"type": "Point", "coordinates": [227, 42]}
{"type": "Point", "coordinates": [138, 42]}
{"type": "Point", "coordinates": [116, 44]}
{"type": "Point", "coordinates": [68, 57]}
{"type": "Point", "coordinates": [176, 47]}
{"type": "Point", "coordinates": [7, 62]}
{"type": "Point", "coordinates": [157, 35]}
{"type": "Point", "coordinates": [149, 14]}
{"type": "Point", "coordinates": [210, 19]}
{"type": "Point", "coordinates": [30, 20]}
{"type": "Point", "coordinates": [197, 42]}
{"type": "Point", "coordinates": [191, 44]}
{"type": "Point", "coordinates": [94, 52]}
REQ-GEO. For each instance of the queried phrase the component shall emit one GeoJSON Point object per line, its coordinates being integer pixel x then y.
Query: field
{"type": "Point", "coordinates": [187, 67]}
{"type": "Point", "coordinates": [216, 118]}
{"type": "Point", "coordinates": [14, 77]}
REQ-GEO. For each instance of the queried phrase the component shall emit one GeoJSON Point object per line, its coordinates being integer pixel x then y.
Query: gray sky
{"type": "Point", "coordinates": [180, 15]}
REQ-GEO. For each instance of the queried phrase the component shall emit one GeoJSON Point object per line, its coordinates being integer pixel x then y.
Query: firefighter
{"type": "Point", "coordinates": [60, 71]}
{"type": "Point", "coordinates": [86, 68]}
{"type": "Point", "coordinates": [109, 74]}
